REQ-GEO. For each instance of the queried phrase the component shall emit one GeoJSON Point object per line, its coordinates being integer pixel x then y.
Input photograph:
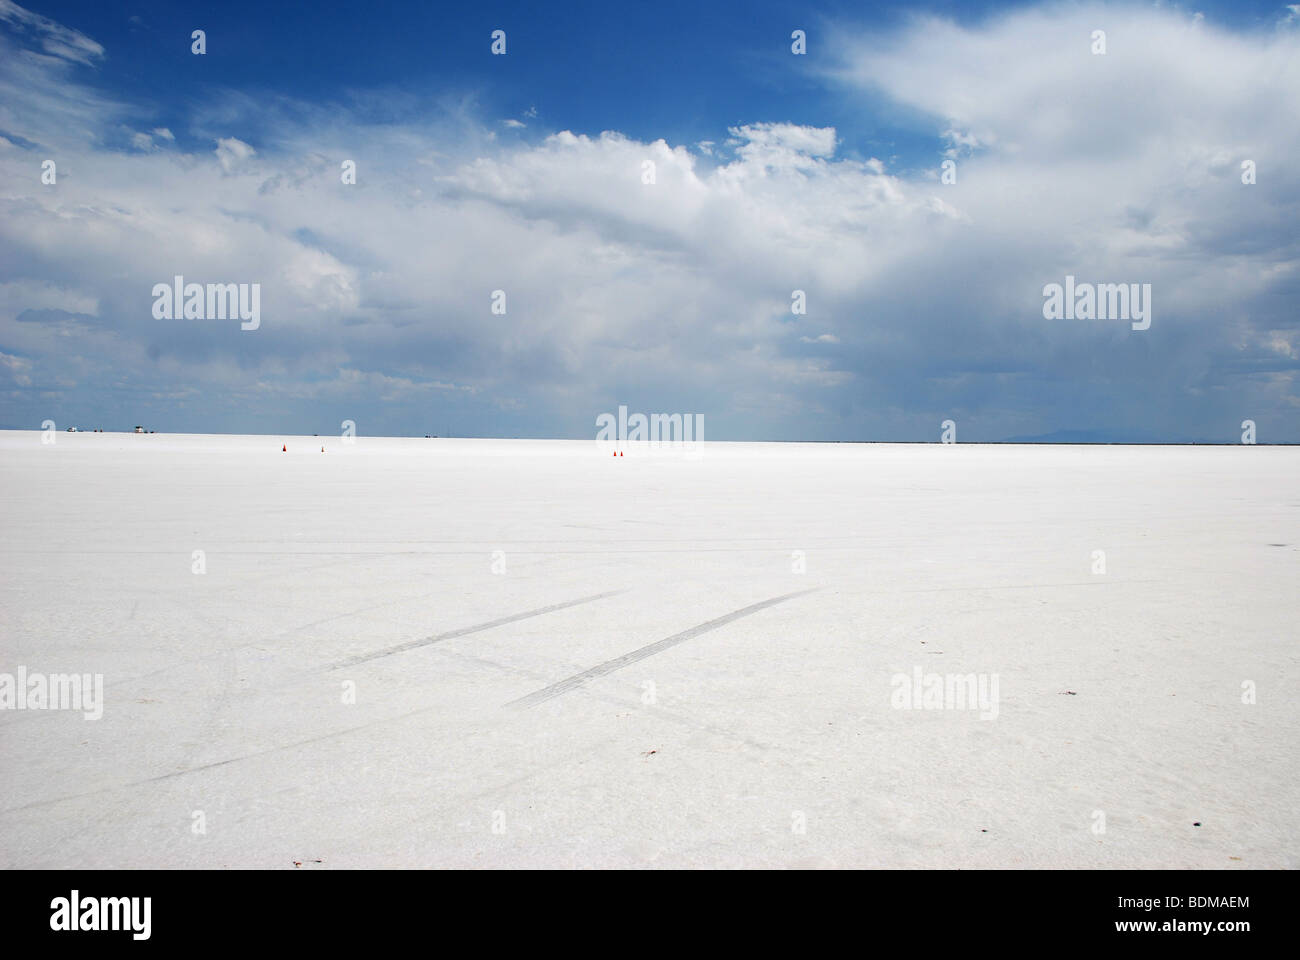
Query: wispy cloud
{"type": "Point", "coordinates": [53, 38]}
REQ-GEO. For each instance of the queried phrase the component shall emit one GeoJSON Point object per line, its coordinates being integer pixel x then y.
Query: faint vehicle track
{"type": "Point", "coordinates": [464, 631]}
{"type": "Point", "coordinates": [627, 659]}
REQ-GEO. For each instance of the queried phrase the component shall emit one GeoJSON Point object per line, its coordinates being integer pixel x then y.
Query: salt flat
{"type": "Point", "coordinates": [607, 696]}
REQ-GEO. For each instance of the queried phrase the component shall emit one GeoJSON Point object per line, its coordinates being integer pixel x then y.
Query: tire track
{"type": "Point", "coordinates": [618, 663]}
{"type": "Point", "coordinates": [465, 631]}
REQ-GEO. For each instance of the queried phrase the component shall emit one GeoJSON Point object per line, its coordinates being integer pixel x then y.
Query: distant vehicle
{"type": "Point", "coordinates": [72, 429]}
{"type": "Point", "coordinates": [139, 429]}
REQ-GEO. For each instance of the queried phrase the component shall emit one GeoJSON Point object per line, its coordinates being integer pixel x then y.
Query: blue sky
{"type": "Point", "coordinates": [774, 172]}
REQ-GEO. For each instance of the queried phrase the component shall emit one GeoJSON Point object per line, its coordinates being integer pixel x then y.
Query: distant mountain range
{"type": "Point", "coordinates": [1104, 436]}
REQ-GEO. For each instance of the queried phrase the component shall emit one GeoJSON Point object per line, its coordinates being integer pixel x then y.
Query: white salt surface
{"type": "Point", "coordinates": [765, 740]}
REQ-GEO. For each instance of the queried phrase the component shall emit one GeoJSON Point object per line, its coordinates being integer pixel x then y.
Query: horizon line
{"type": "Point", "coordinates": [968, 443]}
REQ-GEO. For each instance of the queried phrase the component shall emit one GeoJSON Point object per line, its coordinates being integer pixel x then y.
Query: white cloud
{"type": "Point", "coordinates": [56, 40]}
{"type": "Point", "coordinates": [680, 290]}
{"type": "Point", "coordinates": [18, 369]}
{"type": "Point", "coordinates": [782, 145]}
{"type": "Point", "coordinates": [231, 153]}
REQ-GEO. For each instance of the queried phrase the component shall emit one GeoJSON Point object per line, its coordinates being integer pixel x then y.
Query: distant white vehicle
{"type": "Point", "coordinates": [72, 429]}
{"type": "Point", "coordinates": [139, 430]}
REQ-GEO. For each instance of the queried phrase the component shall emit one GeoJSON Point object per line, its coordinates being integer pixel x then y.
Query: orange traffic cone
{"type": "Point", "coordinates": [284, 449]}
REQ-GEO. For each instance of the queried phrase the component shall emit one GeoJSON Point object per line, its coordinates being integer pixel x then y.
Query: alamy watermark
{"type": "Point", "coordinates": [1101, 301]}
{"type": "Point", "coordinates": [55, 691]}
{"type": "Point", "coordinates": [946, 691]}
{"type": "Point", "coordinates": [179, 300]}
{"type": "Point", "coordinates": [656, 433]}
{"type": "Point", "coordinates": [127, 914]}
